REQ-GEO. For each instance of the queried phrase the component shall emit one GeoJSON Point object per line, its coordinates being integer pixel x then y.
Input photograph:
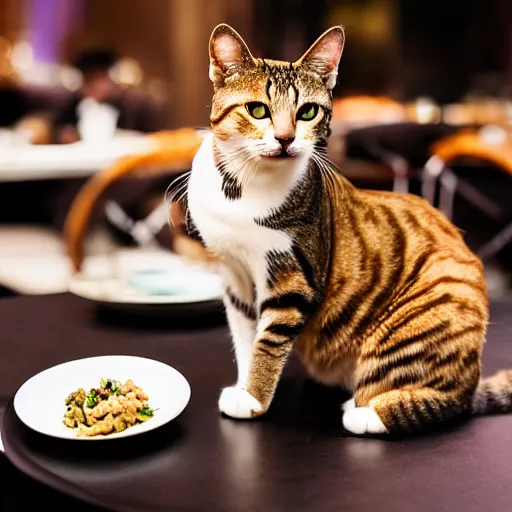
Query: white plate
{"type": "Point", "coordinates": [205, 288]}
{"type": "Point", "coordinates": [139, 288]}
{"type": "Point", "coordinates": [146, 279]}
{"type": "Point", "coordinates": [39, 403]}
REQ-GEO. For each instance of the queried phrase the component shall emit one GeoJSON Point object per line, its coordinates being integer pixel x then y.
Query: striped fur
{"type": "Point", "coordinates": [376, 292]}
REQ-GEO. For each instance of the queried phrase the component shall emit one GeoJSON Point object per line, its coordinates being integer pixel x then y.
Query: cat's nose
{"type": "Point", "coordinates": [285, 142]}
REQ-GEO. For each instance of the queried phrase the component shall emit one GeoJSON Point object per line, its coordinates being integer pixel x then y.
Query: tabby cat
{"type": "Point", "coordinates": [376, 291]}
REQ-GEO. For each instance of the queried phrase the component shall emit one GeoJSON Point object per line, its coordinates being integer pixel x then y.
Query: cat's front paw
{"type": "Point", "coordinates": [239, 403]}
{"type": "Point", "coordinates": [362, 420]}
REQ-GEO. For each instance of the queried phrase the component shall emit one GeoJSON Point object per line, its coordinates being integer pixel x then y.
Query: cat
{"type": "Point", "coordinates": [375, 291]}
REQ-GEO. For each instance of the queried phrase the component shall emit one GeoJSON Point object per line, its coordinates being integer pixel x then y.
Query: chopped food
{"type": "Point", "coordinates": [113, 407]}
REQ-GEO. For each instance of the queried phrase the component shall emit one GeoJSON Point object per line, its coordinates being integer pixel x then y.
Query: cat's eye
{"type": "Point", "coordinates": [307, 112]}
{"type": "Point", "coordinates": [258, 110]}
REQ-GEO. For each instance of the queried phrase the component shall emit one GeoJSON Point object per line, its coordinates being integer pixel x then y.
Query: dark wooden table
{"type": "Point", "coordinates": [296, 458]}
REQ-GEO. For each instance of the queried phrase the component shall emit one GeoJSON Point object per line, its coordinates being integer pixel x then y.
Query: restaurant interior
{"type": "Point", "coordinates": [103, 106]}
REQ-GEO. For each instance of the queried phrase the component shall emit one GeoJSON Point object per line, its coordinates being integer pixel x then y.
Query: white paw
{"type": "Point", "coordinates": [238, 403]}
{"type": "Point", "coordinates": [363, 420]}
{"type": "Point", "coordinates": [349, 404]}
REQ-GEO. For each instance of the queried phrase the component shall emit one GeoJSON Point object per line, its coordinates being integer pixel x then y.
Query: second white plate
{"type": "Point", "coordinates": [150, 288]}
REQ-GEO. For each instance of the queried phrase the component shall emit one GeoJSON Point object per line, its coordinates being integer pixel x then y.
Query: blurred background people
{"type": "Point", "coordinates": [130, 111]}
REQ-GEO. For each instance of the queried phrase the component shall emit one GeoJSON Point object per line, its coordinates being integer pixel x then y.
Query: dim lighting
{"type": "Point", "coordinates": [508, 112]}
{"type": "Point", "coordinates": [5, 47]}
{"type": "Point", "coordinates": [426, 110]}
{"type": "Point", "coordinates": [22, 56]}
{"type": "Point", "coordinates": [456, 114]}
{"type": "Point", "coordinates": [493, 134]}
{"type": "Point", "coordinates": [127, 72]}
{"type": "Point", "coordinates": [157, 89]}
{"type": "Point", "coordinates": [5, 57]}
{"type": "Point", "coordinates": [70, 78]}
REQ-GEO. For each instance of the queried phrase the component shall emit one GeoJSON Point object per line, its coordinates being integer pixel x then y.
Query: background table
{"type": "Point", "coordinates": [296, 458]}
{"type": "Point", "coordinates": [57, 161]}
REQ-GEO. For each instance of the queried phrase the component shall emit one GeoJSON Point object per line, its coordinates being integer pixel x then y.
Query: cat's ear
{"type": "Point", "coordinates": [228, 54]}
{"type": "Point", "coordinates": [324, 56]}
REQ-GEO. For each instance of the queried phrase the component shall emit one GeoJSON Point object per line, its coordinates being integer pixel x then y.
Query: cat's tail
{"type": "Point", "coordinates": [493, 394]}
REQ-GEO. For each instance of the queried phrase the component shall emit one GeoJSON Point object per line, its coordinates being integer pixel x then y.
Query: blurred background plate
{"type": "Point", "coordinates": [147, 281]}
{"type": "Point", "coordinates": [189, 287]}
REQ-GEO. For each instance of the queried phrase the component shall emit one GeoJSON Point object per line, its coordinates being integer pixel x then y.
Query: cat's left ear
{"type": "Point", "coordinates": [228, 54]}
{"type": "Point", "coordinates": [324, 56]}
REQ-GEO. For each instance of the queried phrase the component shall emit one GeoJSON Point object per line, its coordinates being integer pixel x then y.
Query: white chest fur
{"type": "Point", "coordinates": [228, 227]}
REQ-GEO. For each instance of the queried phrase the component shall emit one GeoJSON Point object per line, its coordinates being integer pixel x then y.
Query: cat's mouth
{"type": "Point", "coordinates": [282, 154]}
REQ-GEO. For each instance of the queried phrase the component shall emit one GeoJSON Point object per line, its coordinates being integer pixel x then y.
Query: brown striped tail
{"type": "Point", "coordinates": [493, 394]}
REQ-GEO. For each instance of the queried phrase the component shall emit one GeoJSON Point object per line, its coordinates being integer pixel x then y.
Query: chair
{"type": "Point", "coordinates": [172, 152]}
{"type": "Point", "coordinates": [357, 112]}
{"type": "Point", "coordinates": [490, 144]}
{"type": "Point", "coordinates": [33, 259]}
{"type": "Point", "coordinates": [402, 147]}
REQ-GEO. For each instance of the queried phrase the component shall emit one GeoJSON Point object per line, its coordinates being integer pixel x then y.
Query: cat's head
{"type": "Point", "coordinates": [266, 109]}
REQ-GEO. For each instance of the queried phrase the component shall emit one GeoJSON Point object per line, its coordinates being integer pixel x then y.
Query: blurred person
{"type": "Point", "coordinates": [133, 111]}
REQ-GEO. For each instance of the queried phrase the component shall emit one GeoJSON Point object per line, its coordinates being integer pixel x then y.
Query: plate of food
{"type": "Point", "coordinates": [101, 398]}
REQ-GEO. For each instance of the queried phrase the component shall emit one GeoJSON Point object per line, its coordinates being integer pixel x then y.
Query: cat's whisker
{"type": "Point", "coordinates": [333, 176]}
{"type": "Point", "coordinates": [181, 197]}
{"type": "Point", "coordinates": [184, 177]}
{"type": "Point", "coordinates": [175, 185]}
{"type": "Point", "coordinates": [176, 192]}
{"type": "Point", "coordinates": [250, 171]}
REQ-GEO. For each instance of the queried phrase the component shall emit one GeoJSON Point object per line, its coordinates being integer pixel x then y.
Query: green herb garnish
{"type": "Point", "coordinates": [115, 387]}
{"type": "Point", "coordinates": [147, 411]}
{"type": "Point", "coordinates": [92, 398]}
{"type": "Point", "coordinates": [111, 386]}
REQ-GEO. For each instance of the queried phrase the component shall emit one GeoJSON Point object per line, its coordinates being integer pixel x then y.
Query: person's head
{"type": "Point", "coordinates": [95, 66]}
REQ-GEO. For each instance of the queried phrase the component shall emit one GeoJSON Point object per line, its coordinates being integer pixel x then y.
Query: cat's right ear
{"type": "Point", "coordinates": [324, 56]}
{"type": "Point", "coordinates": [229, 54]}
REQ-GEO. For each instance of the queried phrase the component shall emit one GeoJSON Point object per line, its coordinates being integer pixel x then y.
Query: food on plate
{"type": "Point", "coordinates": [113, 407]}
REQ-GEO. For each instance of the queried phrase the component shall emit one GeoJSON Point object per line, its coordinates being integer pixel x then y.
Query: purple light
{"type": "Point", "coordinates": [50, 21]}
